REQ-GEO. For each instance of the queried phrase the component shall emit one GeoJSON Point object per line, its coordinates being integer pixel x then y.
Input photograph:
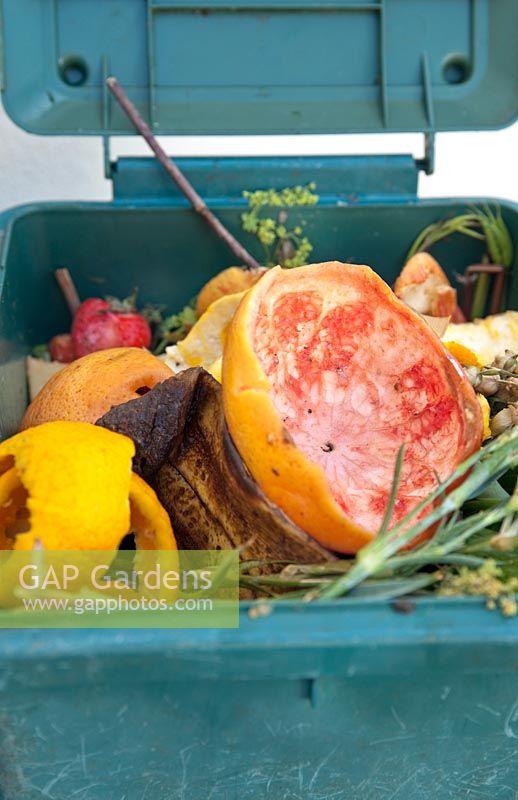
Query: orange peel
{"type": "Point", "coordinates": [463, 354]}
{"type": "Point", "coordinates": [228, 281]}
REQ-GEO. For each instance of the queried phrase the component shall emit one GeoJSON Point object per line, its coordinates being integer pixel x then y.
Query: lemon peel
{"type": "Point", "coordinates": [149, 519]}
{"type": "Point", "coordinates": [203, 345]}
{"type": "Point", "coordinates": [69, 486]}
{"type": "Point", "coordinates": [216, 369]}
{"type": "Point", "coordinates": [486, 413]}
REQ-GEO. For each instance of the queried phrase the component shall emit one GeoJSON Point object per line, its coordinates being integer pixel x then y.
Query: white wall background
{"type": "Point", "coordinates": [34, 168]}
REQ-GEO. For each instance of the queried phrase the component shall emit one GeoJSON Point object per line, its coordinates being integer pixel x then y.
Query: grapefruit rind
{"type": "Point", "coordinates": [275, 447]}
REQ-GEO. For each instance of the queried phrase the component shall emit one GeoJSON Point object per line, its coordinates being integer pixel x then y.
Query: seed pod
{"type": "Point", "coordinates": [507, 391]}
{"type": "Point", "coordinates": [487, 386]}
{"type": "Point", "coordinates": [507, 361]}
{"type": "Point", "coordinates": [510, 364]}
{"type": "Point", "coordinates": [473, 375]}
{"type": "Point", "coordinates": [486, 382]}
{"type": "Point", "coordinates": [505, 419]}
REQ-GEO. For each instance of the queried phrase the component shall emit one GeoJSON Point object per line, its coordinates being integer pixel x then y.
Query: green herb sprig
{"type": "Point", "coordinates": [170, 329]}
{"type": "Point", "coordinates": [464, 539]}
{"type": "Point", "coordinates": [483, 224]}
{"type": "Point", "coordinates": [480, 223]}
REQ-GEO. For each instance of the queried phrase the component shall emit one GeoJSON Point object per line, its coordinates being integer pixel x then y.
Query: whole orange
{"type": "Point", "coordinates": [87, 388]}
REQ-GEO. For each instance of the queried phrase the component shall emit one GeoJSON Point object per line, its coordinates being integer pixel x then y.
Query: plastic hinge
{"type": "Point", "coordinates": [342, 180]}
{"type": "Point", "coordinates": [427, 163]}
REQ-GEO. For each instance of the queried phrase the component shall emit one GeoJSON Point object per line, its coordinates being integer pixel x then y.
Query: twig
{"type": "Point", "coordinates": [178, 177]}
{"type": "Point", "coordinates": [68, 289]}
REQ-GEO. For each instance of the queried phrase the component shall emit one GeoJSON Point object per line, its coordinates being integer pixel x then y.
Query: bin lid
{"type": "Point", "coordinates": [261, 66]}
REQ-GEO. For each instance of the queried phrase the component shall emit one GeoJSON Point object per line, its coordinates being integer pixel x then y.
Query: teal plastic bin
{"type": "Point", "coordinates": [350, 699]}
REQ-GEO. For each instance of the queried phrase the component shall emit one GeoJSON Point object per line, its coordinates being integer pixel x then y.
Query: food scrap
{"type": "Point", "coordinates": [53, 475]}
{"type": "Point", "coordinates": [487, 338]}
{"type": "Point", "coordinates": [290, 419]}
{"type": "Point", "coordinates": [203, 345]}
{"type": "Point", "coordinates": [99, 324]}
{"type": "Point", "coordinates": [230, 281]}
{"type": "Point", "coordinates": [424, 287]}
{"type": "Point", "coordinates": [320, 393]}
{"type": "Point", "coordinates": [88, 387]}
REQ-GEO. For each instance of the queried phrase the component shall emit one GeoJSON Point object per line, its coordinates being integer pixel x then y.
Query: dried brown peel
{"type": "Point", "coordinates": [183, 449]}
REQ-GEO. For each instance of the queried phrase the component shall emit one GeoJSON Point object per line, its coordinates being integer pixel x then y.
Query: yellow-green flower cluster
{"type": "Point", "coordinates": [282, 244]}
{"type": "Point", "coordinates": [486, 581]}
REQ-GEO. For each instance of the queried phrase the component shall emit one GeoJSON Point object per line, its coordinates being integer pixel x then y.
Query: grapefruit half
{"type": "Point", "coordinates": [325, 375]}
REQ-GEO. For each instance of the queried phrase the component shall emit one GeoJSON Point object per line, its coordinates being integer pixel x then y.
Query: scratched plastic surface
{"type": "Point", "coordinates": [339, 703]}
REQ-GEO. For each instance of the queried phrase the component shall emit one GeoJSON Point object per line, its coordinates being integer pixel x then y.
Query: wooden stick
{"type": "Point", "coordinates": [67, 286]}
{"type": "Point", "coordinates": [476, 282]}
{"type": "Point", "coordinates": [178, 177]}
